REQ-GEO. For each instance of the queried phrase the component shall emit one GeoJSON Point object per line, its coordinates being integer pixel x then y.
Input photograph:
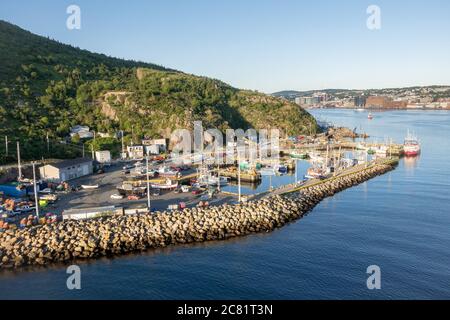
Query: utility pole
{"type": "Point", "coordinates": [390, 148]}
{"type": "Point", "coordinates": [218, 177]}
{"type": "Point", "coordinates": [48, 144]}
{"type": "Point", "coordinates": [296, 171]}
{"type": "Point", "coordinates": [92, 150]}
{"type": "Point", "coordinates": [6, 145]}
{"type": "Point", "coordinates": [35, 190]}
{"type": "Point", "coordinates": [123, 146]}
{"type": "Point", "coordinates": [148, 186]}
{"type": "Point", "coordinates": [239, 177]}
{"type": "Point", "coordinates": [18, 160]}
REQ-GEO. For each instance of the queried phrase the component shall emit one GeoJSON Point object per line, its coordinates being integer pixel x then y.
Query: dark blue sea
{"type": "Point", "coordinates": [399, 221]}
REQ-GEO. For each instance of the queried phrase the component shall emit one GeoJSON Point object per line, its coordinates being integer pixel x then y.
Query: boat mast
{"type": "Point", "coordinates": [239, 178]}
{"type": "Point", "coordinates": [218, 177]}
{"type": "Point", "coordinates": [36, 200]}
{"type": "Point", "coordinates": [148, 186]}
{"type": "Point", "coordinates": [18, 160]}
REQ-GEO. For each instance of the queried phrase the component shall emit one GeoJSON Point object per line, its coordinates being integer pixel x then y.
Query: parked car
{"type": "Point", "coordinates": [46, 191]}
{"type": "Point", "coordinates": [49, 197]}
{"type": "Point", "coordinates": [156, 192]}
{"type": "Point", "coordinates": [117, 196]}
{"type": "Point", "coordinates": [177, 190]}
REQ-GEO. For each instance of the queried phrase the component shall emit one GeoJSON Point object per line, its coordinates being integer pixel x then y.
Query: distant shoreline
{"type": "Point", "coordinates": [380, 109]}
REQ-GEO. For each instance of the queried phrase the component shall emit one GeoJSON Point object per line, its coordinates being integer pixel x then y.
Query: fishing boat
{"type": "Point", "coordinates": [281, 168]}
{"type": "Point", "coordinates": [169, 184]}
{"type": "Point", "coordinates": [213, 180]}
{"type": "Point", "coordinates": [267, 171]}
{"type": "Point", "coordinates": [316, 157]}
{"type": "Point", "coordinates": [411, 145]}
{"type": "Point", "coordinates": [167, 172]}
{"type": "Point", "coordinates": [298, 155]}
{"type": "Point", "coordinates": [381, 151]}
{"type": "Point", "coordinates": [89, 187]}
{"type": "Point", "coordinates": [127, 189]}
{"type": "Point", "coordinates": [370, 116]}
{"type": "Point", "coordinates": [315, 173]}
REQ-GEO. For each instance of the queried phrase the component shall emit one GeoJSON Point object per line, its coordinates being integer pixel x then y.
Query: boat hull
{"type": "Point", "coordinates": [412, 153]}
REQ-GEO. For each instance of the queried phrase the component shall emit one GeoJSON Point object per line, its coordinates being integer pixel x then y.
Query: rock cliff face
{"type": "Point", "coordinates": [72, 240]}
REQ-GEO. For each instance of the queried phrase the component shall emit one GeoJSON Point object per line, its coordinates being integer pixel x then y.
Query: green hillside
{"type": "Point", "coordinates": [47, 87]}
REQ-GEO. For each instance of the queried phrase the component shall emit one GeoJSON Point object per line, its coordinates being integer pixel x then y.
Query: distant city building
{"type": "Point", "coordinates": [66, 170]}
{"type": "Point", "coordinates": [307, 101]}
{"type": "Point", "coordinates": [360, 101]}
{"type": "Point", "coordinates": [382, 102]}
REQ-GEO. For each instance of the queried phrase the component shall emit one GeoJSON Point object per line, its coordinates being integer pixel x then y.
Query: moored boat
{"type": "Point", "coordinates": [213, 180]}
{"type": "Point", "coordinates": [299, 155]}
{"type": "Point", "coordinates": [167, 185]}
{"type": "Point", "coordinates": [411, 145]}
{"type": "Point", "coordinates": [315, 173]}
{"type": "Point", "coordinates": [89, 187]}
{"type": "Point", "coordinates": [167, 172]}
{"type": "Point", "coordinates": [127, 189]}
{"type": "Point", "coordinates": [281, 168]}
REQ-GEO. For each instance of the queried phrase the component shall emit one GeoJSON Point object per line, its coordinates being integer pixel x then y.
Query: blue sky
{"type": "Point", "coordinates": [265, 45]}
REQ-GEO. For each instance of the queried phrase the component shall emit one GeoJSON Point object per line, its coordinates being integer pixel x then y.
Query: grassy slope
{"type": "Point", "coordinates": [46, 87]}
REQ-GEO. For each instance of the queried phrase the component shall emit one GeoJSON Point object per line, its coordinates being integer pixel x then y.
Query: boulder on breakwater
{"type": "Point", "coordinates": [71, 240]}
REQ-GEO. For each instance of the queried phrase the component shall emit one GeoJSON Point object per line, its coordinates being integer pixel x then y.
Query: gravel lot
{"type": "Point", "coordinates": [108, 183]}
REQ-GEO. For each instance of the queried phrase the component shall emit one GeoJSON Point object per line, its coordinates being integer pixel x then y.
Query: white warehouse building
{"type": "Point", "coordinates": [103, 156]}
{"type": "Point", "coordinates": [66, 170]}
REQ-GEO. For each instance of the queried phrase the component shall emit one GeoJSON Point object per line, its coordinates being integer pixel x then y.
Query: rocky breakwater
{"type": "Point", "coordinates": [71, 240]}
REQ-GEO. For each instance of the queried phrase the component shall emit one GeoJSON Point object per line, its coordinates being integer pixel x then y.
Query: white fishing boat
{"type": "Point", "coordinates": [267, 171]}
{"type": "Point", "coordinates": [212, 180]}
{"type": "Point", "coordinates": [381, 150]}
{"type": "Point", "coordinates": [165, 171]}
{"type": "Point", "coordinates": [169, 184]}
{"type": "Point", "coordinates": [89, 187]}
{"type": "Point", "coordinates": [315, 173]}
{"type": "Point", "coordinates": [316, 157]}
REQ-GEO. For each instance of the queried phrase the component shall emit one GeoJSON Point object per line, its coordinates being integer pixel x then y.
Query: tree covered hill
{"type": "Point", "coordinates": [46, 87]}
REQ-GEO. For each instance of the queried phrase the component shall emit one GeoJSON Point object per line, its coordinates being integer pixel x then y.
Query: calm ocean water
{"type": "Point", "coordinates": [399, 221]}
